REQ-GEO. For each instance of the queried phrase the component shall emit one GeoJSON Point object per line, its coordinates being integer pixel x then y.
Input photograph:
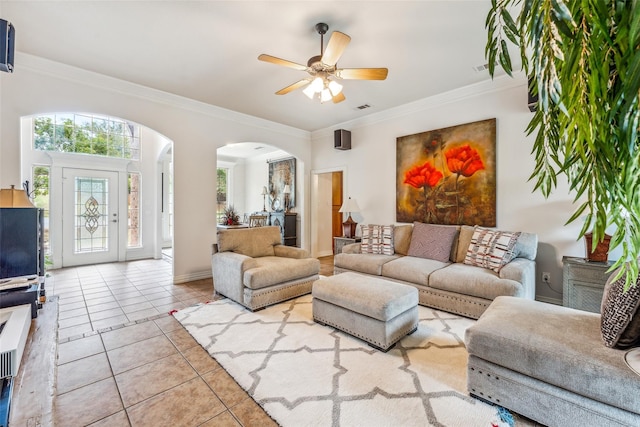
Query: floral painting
{"type": "Point", "coordinates": [448, 176]}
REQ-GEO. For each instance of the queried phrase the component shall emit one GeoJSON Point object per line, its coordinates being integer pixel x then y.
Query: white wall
{"type": "Point", "coordinates": [197, 130]}
{"type": "Point", "coordinates": [257, 176]}
{"type": "Point", "coordinates": [370, 166]}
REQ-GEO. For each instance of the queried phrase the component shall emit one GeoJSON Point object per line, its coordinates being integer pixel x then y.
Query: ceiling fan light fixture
{"type": "Point", "coordinates": [317, 84]}
{"type": "Point", "coordinates": [309, 91]}
{"type": "Point", "coordinates": [325, 95]}
{"type": "Point", "coordinates": [335, 87]}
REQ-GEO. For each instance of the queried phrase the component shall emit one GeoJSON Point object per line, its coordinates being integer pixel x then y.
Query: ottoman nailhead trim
{"type": "Point", "coordinates": [480, 393]}
{"type": "Point", "coordinates": [397, 337]}
{"type": "Point", "coordinates": [270, 302]}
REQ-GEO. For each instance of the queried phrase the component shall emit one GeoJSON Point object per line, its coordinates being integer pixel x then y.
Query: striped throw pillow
{"type": "Point", "coordinates": [377, 239]}
{"type": "Point", "coordinates": [491, 249]}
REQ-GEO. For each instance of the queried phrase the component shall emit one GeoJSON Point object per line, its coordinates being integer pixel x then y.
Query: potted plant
{"type": "Point", "coordinates": [583, 59]}
{"type": "Point", "coordinates": [230, 216]}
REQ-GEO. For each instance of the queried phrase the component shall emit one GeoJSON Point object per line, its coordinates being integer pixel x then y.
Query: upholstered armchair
{"type": "Point", "coordinates": [252, 267]}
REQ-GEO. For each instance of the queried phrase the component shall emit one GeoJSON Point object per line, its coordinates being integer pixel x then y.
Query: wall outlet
{"type": "Point", "coordinates": [546, 277]}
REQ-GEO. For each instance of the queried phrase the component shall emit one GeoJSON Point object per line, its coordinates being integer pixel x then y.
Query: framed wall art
{"type": "Point", "coordinates": [281, 173]}
{"type": "Point", "coordinates": [448, 175]}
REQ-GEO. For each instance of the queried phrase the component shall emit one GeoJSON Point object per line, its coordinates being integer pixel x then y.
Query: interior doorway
{"type": "Point", "coordinates": [336, 203]}
{"type": "Point", "coordinates": [327, 189]}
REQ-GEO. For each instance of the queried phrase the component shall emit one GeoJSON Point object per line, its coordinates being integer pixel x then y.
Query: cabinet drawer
{"type": "Point", "coordinates": [586, 273]}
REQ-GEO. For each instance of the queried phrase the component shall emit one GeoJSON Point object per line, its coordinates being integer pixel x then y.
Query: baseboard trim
{"type": "Point", "coordinates": [549, 300]}
{"type": "Point", "coordinates": [199, 275]}
{"type": "Point", "coordinates": [324, 253]}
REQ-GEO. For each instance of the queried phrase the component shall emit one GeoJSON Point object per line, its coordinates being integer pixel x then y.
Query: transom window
{"type": "Point", "coordinates": [87, 134]}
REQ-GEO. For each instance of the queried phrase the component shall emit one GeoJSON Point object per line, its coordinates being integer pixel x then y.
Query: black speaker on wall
{"type": "Point", "coordinates": [533, 99]}
{"type": "Point", "coordinates": [7, 45]}
{"type": "Point", "coordinates": [342, 139]}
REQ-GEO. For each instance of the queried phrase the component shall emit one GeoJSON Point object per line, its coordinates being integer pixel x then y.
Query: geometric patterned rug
{"type": "Point", "coordinates": [306, 374]}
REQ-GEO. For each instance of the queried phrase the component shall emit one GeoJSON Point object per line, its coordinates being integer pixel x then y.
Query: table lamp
{"type": "Point", "coordinates": [349, 226]}
{"type": "Point", "coordinates": [286, 191]}
{"type": "Point", "coordinates": [264, 195]}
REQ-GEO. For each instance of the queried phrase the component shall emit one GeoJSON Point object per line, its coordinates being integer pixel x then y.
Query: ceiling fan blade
{"type": "Point", "coordinates": [294, 86]}
{"type": "Point", "coordinates": [283, 62]}
{"type": "Point", "coordinates": [337, 44]}
{"type": "Point", "coordinates": [362, 73]}
{"type": "Point", "coordinates": [339, 98]}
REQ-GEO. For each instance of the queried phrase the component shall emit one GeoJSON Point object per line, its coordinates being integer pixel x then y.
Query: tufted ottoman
{"type": "Point", "coordinates": [376, 310]}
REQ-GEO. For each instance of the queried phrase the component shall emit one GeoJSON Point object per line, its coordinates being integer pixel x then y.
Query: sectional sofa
{"type": "Point", "coordinates": [459, 269]}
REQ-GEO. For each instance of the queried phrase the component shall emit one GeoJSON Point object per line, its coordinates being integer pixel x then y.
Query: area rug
{"type": "Point", "coordinates": [306, 374]}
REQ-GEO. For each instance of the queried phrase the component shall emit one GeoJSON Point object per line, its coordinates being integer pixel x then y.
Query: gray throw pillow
{"type": "Point", "coordinates": [620, 318]}
{"type": "Point", "coordinates": [432, 241]}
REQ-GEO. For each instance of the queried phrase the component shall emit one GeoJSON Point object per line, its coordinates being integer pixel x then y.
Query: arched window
{"type": "Point", "coordinates": [86, 134]}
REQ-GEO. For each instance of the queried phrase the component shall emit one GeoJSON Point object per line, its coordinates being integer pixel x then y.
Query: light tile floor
{"type": "Point", "coordinates": [124, 361]}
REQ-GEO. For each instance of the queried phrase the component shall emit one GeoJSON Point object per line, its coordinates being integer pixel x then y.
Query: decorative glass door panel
{"type": "Point", "coordinates": [90, 222]}
{"type": "Point", "coordinates": [92, 214]}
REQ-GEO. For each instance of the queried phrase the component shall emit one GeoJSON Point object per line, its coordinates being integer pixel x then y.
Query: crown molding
{"type": "Point", "coordinates": [498, 84]}
{"type": "Point", "coordinates": [43, 66]}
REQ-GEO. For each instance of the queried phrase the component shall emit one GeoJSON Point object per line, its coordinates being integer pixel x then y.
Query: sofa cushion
{"type": "Point", "coordinates": [432, 241]}
{"type": "Point", "coordinates": [464, 240]}
{"type": "Point", "coordinates": [620, 321]}
{"type": "Point", "coordinates": [253, 242]}
{"type": "Point", "coordinates": [272, 270]}
{"type": "Point", "coordinates": [364, 263]}
{"type": "Point", "coordinates": [402, 238]}
{"type": "Point", "coordinates": [377, 239]}
{"type": "Point", "coordinates": [556, 345]}
{"type": "Point", "coordinates": [526, 246]}
{"type": "Point", "coordinates": [475, 281]}
{"type": "Point", "coordinates": [491, 249]}
{"type": "Point", "coordinates": [412, 269]}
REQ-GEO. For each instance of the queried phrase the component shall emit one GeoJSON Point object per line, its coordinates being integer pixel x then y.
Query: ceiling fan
{"type": "Point", "coordinates": [323, 71]}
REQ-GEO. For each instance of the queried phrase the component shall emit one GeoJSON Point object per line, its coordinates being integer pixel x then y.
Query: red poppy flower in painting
{"type": "Point", "coordinates": [464, 160]}
{"type": "Point", "coordinates": [422, 176]}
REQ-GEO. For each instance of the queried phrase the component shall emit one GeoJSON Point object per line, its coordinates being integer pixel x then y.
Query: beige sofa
{"type": "Point", "coordinates": [253, 268]}
{"type": "Point", "coordinates": [549, 364]}
{"type": "Point", "coordinates": [449, 285]}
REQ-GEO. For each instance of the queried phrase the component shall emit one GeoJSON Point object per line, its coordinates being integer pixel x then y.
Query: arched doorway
{"type": "Point", "coordinates": [245, 181]}
{"type": "Point", "coordinates": [98, 185]}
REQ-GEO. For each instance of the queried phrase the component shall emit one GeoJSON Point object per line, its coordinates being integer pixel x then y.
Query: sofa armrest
{"type": "Point", "coordinates": [228, 270]}
{"type": "Point", "coordinates": [524, 271]}
{"type": "Point", "coordinates": [290, 252]}
{"type": "Point", "coordinates": [352, 248]}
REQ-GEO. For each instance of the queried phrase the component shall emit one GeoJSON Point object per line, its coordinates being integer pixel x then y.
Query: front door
{"type": "Point", "coordinates": [90, 216]}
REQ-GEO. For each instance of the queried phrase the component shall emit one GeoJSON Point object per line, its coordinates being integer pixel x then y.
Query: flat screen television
{"type": "Point", "coordinates": [19, 255]}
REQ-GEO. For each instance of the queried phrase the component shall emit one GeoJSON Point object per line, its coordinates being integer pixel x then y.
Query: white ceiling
{"type": "Point", "coordinates": [208, 50]}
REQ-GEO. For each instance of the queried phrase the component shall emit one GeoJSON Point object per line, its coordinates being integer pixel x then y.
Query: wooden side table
{"type": "Point", "coordinates": [583, 283]}
{"type": "Point", "coordinates": [339, 242]}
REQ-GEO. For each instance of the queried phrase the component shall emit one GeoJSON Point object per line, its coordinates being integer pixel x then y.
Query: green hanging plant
{"type": "Point", "coordinates": [583, 58]}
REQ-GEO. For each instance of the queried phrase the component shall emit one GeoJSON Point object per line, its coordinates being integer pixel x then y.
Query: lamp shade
{"type": "Point", "coordinates": [349, 205]}
{"type": "Point", "coordinates": [12, 198]}
{"type": "Point", "coordinates": [287, 189]}
{"type": "Point", "coordinates": [264, 191]}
